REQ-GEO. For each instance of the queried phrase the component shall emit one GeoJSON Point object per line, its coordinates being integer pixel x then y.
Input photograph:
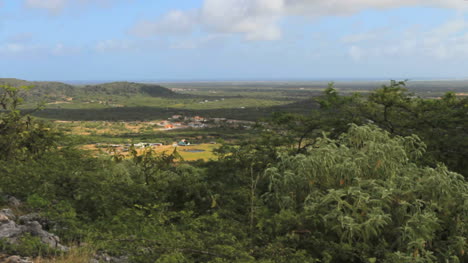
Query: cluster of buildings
{"type": "Point", "coordinates": [126, 147]}
{"type": "Point", "coordinates": [181, 121]}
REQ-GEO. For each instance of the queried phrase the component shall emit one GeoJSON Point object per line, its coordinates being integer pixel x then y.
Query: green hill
{"type": "Point", "coordinates": [48, 91]}
{"type": "Point", "coordinates": [42, 90]}
{"type": "Point", "coordinates": [127, 89]}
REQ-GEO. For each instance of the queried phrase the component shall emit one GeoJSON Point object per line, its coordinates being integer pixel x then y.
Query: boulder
{"type": "Point", "coordinates": [104, 257]}
{"type": "Point", "coordinates": [10, 231]}
{"type": "Point", "coordinates": [7, 214]}
{"type": "Point", "coordinates": [53, 241]}
{"type": "Point", "coordinates": [13, 201]}
{"type": "Point", "coordinates": [17, 259]}
{"type": "Point", "coordinates": [24, 219]}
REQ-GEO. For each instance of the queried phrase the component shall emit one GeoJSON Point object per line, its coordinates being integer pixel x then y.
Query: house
{"type": "Point", "coordinates": [240, 122]}
{"type": "Point", "coordinates": [216, 120]}
{"type": "Point", "coordinates": [115, 146]}
{"type": "Point", "coordinates": [198, 118]}
{"type": "Point", "coordinates": [141, 145]}
{"type": "Point", "coordinates": [168, 126]}
{"type": "Point", "coordinates": [183, 142]}
{"type": "Point", "coordinates": [176, 117]}
{"type": "Point", "coordinates": [196, 125]}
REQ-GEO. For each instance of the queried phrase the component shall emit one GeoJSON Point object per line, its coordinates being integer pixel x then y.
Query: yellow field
{"type": "Point", "coordinates": [168, 149]}
{"type": "Point", "coordinates": [103, 127]}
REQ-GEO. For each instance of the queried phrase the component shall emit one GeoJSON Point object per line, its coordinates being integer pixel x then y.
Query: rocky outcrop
{"type": "Point", "coordinates": [104, 257]}
{"type": "Point", "coordinates": [12, 201]}
{"type": "Point", "coordinates": [11, 231]}
{"type": "Point", "coordinates": [14, 259]}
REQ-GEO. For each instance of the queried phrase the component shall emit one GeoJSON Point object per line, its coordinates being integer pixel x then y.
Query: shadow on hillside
{"type": "Point", "coordinates": [155, 113]}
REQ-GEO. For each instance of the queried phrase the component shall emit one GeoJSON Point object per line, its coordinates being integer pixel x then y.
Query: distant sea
{"type": "Point", "coordinates": [270, 80]}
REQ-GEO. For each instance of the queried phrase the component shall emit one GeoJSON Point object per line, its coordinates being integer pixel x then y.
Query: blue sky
{"type": "Point", "coordinates": [233, 39]}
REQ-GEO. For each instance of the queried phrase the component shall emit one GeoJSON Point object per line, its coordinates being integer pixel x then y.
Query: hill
{"type": "Point", "coordinates": [128, 89]}
{"type": "Point", "coordinates": [48, 91]}
{"type": "Point", "coordinates": [43, 90]}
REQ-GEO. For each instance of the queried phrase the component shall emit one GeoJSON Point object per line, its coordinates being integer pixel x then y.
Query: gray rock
{"type": "Point", "coordinates": [103, 257]}
{"type": "Point", "coordinates": [53, 241]}
{"type": "Point", "coordinates": [6, 215]}
{"type": "Point", "coordinates": [24, 219]}
{"type": "Point", "coordinates": [17, 259]}
{"type": "Point", "coordinates": [3, 218]}
{"type": "Point", "coordinates": [11, 232]}
{"type": "Point", "coordinates": [13, 201]}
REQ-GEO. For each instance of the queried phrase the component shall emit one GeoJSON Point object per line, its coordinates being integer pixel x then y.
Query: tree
{"type": "Point", "coordinates": [440, 123]}
{"type": "Point", "coordinates": [362, 197]}
{"type": "Point", "coordinates": [20, 135]}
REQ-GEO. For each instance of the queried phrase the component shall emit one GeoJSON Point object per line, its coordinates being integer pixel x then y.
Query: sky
{"type": "Point", "coordinates": [84, 40]}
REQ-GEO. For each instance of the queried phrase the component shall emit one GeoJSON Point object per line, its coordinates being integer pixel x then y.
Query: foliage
{"type": "Point", "coordinates": [28, 245]}
{"type": "Point", "coordinates": [440, 123]}
{"type": "Point", "coordinates": [20, 136]}
{"type": "Point", "coordinates": [362, 196]}
{"type": "Point", "coordinates": [304, 189]}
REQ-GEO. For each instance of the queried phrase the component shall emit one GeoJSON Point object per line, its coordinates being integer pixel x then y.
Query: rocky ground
{"type": "Point", "coordinates": [14, 227]}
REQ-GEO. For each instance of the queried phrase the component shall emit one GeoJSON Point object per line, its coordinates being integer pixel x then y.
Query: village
{"type": "Point", "coordinates": [181, 122]}
{"type": "Point", "coordinates": [190, 148]}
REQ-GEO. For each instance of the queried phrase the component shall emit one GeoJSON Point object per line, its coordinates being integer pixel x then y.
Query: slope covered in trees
{"type": "Point", "coordinates": [127, 89]}
{"type": "Point", "coordinates": [352, 182]}
{"type": "Point", "coordinates": [43, 90]}
{"type": "Point", "coordinates": [46, 91]}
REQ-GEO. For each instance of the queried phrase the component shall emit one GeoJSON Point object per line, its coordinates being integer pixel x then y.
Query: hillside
{"type": "Point", "coordinates": [42, 90]}
{"type": "Point", "coordinates": [127, 89]}
{"type": "Point", "coordinates": [47, 91]}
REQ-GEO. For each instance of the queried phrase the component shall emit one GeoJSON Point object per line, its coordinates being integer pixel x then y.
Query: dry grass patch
{"type": "Point", "coordinates": [75, 255]}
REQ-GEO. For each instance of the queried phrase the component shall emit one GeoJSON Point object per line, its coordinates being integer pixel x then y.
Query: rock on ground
{"type": "Point", "coordinates": [14, 259]}
{"type": "Point", "coordinates": [11, 231]}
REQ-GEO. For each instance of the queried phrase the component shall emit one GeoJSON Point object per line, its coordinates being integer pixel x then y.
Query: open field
{"type": "Point", "coordinates": [189, 153]}
{"type": "Point", "coordinates": [104, 138]}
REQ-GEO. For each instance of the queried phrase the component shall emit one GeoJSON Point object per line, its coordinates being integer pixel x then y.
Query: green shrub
{"type": "Point", "coordinates": [28, 246]}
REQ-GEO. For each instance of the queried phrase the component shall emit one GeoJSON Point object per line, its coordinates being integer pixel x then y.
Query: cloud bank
{"type": "Point", "coordinates": [260, 19]}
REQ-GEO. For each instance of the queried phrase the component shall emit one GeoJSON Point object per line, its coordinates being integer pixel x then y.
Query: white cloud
{"type": "Point", "coordinates": [447, 41]}
{"type": "Point", "coordinates": [57, 6]}
{"type": "Point", "coordinates": [12, 48]}
{"type": "Point", "coordinates": [175, 22]}
{"type": "Point", "coordinates": [61, 49]}
{"type": "Point", "coordinates": [18, 49]}
{"type": "Point", "coordinates": [210, 40]}
{"type": "Point", "coordinates": [355, 53]}
{"type": "Point", "coordinates": [365, 36]}
{"type": "Point", "coordinates": [255, 19]}
{"type": "Point", "coordinates": [318, 8]}
{"type": "Point", "coordinates": [20, 38]}
{"type": "Point", "coordinates": [114, 45]}
{"type": "Point", "coordinates": [259, 19]}
{"type": "Point", "coordinates": [53, 6]}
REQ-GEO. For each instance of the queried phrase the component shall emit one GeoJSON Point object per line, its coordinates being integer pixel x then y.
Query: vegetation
{"type": "Point", "coordinates": [360, 179]}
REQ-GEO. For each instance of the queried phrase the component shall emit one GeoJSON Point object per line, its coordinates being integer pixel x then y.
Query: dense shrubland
{"type": "Point", "coordinates": [307, 189]}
